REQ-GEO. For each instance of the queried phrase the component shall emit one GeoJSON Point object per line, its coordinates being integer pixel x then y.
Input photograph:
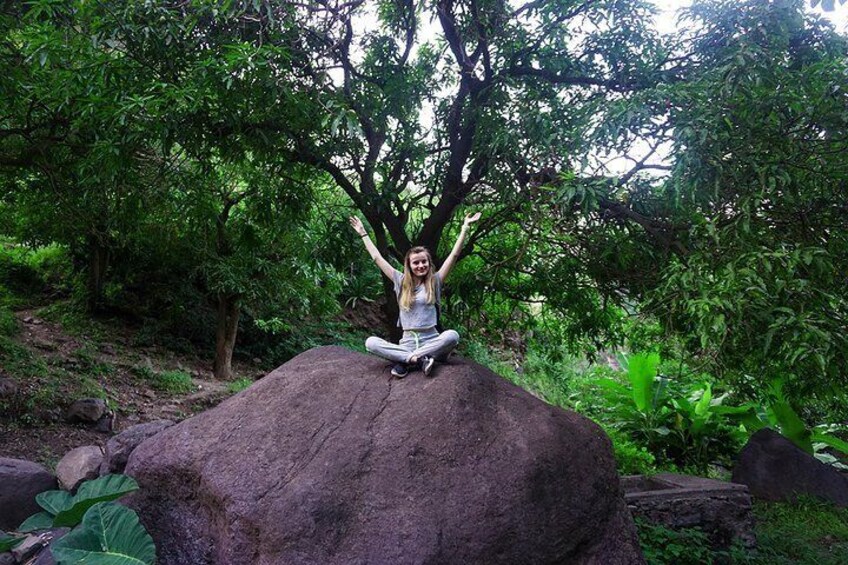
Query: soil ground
{"type": "Point", "coordinates": [111, 366]}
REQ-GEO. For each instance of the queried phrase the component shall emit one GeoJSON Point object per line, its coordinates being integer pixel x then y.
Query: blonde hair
{"type": "Point", "coordinates": [407, 285]}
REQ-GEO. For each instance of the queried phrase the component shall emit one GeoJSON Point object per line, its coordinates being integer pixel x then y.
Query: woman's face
{"type": "Point", "coordinates": [419, 264]}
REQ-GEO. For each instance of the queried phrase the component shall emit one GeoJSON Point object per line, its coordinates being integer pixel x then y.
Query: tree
{"type": "Point", "coordinates": [744, 241]}
{"type": "Point", "coordinates": [415, 127]}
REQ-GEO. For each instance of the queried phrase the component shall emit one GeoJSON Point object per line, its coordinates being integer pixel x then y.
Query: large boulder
{"type": "Point", "coordinates": [775, 469]}
{"type": "Point", "coordinates": [326, 460]}
{"type": "Point", "coordinates": [20, 481]}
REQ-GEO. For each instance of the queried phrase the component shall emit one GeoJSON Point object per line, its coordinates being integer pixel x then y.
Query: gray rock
{"type": "Point", "coordinates": [28, 548]}
{"type": "Point", "coordinates": [8, 388]}
{"type": "Point", "coordinates": [20, 481]}
{"type": "Point", "coordinates": [7, 558]}
{"type": "Point", "coordinates": [326, 460]}
{"type": "Point", "coordinates": [118, 448]}
{"type": "Point", "coordinates": [775, 469]}
{"type": "Point", "coordinates": [45, 557]}
{"type": "Point", "coordinates": [106, 423]}
{"type": "Point", "coordinates": [78, 465]}
{"type": "Point", "coordinates": [87, 410]}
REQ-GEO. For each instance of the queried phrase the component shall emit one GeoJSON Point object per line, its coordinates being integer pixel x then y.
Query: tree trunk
{"type": "Point", "coordinates": [225, 336]}
{"type": "Point", "coordinates": [98, 262]}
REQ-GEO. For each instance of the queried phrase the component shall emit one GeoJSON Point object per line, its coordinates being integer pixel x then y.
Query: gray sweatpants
{"type": "Point", "coordinates": [429, 343]}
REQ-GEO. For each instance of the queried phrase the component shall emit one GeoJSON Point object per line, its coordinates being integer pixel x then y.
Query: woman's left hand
{"type": "Point", "coordinates": [471, 218]}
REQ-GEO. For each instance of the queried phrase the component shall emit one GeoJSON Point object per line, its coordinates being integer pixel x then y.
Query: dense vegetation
{"type": "Point", "coordinates": [188, 167]}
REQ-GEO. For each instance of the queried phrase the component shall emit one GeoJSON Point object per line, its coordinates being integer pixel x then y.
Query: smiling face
{"type": "Point", "coordinates": [419, 264]}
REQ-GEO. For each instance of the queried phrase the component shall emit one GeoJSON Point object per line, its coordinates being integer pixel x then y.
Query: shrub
{"type": "Point", "coordinates": [239, 385]}
{"type": "Point", "coordinates": [8, 323]}
{"type": "Point", "coordinates": [174, 382]}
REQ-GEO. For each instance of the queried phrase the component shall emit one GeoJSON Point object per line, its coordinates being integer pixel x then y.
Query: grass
{"type": "Point", "coordinates": [807, 532]}
{"type": "Point", "coordinates": [239, 385]}
{"type": "Point", "coordinates": [173, 382]}
{"type": "Point", "coordinates": [41, 386]}
{"type": "Point", "coordinates": [804, 532]}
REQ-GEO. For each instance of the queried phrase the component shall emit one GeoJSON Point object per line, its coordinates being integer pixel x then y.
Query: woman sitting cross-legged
{"type": "Point", "coordinates": [418, 289]}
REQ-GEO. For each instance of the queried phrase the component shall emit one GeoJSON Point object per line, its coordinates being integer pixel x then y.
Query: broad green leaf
{"type": "Point", "coordinates": [703, 405]}
{"type": "Point", "coordinates": [110, 534]}
{"type": "Point", "coordinates": [40, 521]}
{"type": "Point", "coordinates": [55, 501]}
{"type": "Point", "coordinates": [831, 441]}
{"type": "Point", "coordinates": [106, 488]}
{"type": "Point", "coordinates": [641, 370]}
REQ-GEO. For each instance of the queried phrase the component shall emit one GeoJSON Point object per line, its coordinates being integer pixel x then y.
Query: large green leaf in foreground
{"type": "Point", "coordinates": [63, 509]}
{"type": "Point", "coordinates": [106, 488]}
{"type": "Point", "coordinates": [110, 534]}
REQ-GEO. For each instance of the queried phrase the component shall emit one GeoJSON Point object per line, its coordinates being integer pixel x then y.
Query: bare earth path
{"type": "Point", "coordinates": [110, 367]}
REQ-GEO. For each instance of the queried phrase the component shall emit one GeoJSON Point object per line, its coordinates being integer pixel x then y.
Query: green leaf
{"type": "Point", "coordinates": [703, 405]}
{"type": "Point", "coordinates": [106, 488]}
{"type": "Point", "coordinates": [830, 440]}
{"type": "Point", "coordinates": [790, 423]}
{"type": "Point", "coordinates": [40, 521]}
{"type": "Point", "coordinates": [55, 501]}
{"type": "Point", "coordinates": [641, 370]}
{"type": "Point", "coordinates": [110, 534]}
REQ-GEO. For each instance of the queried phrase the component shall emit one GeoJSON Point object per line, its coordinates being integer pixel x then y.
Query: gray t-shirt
{"type": "Point", "coordinates": [421, 315]}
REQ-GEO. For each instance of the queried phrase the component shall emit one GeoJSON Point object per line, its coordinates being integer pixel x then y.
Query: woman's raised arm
{"type": "Point", "coordinates": [384, 265]}
{"type": "Point", "coordinates": [457, 247]}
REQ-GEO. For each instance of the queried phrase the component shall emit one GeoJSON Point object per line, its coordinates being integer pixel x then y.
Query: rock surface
{"type": "Point", "coordinates": [775, 469]}
{"type": "Point", "coordinates": [326, 460]}
{"type": "Point", "coordinates": [20, 481]}
{"type": "Point", "coordinates": [78, 465]}
{"type": "Point", "coordinates": [118, 448]}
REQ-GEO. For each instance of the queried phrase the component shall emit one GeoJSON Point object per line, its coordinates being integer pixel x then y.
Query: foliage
{"type": "Point", "coordinates": [8, 323]}
{"type": "Point", "coordinates": [759, 183]}
{"type": "Point", "coordinates": [110, 534]}
{"type": "Point", "coordinates": [630, 457]}
{"type": "Point", "coordinates": [661, 545]}
{"type": "Point", "coordinates": [238, 385]}
{"type": "Point", "coordinates": [63, 509]}
{"type": "Point", "coordinates": [173, 382]}
{"type": "Point", "coordinates": [689, 427]}
{"type": "Point", "coordinates": [806, 531]}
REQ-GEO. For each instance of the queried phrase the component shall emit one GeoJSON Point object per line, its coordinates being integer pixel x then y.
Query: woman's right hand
{"type": "Point", "coordinates": [356, 223]}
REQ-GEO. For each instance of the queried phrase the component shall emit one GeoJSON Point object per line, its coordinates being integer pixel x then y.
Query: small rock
{"type": "Point", "coordinates": [78, 465]}
{"type": "Point", "coordinates": [87, 410]}
{"type": "Point", "coordinates": [107, 349]}
{"type": "Point", "coordinates": [8, 388]}
{"type": "Point", "coordinates": [106, 423]}
{"type": "Point", "coordinates": [28, 548]}
{"type": "Point", "coordinates": [20, 481]}
{"type": "Point", "coordinates": [28, 320]}
{"type": "Point", "coordinates": [46, 555]}
{"type": "Point", "coordinates": [7, 558]}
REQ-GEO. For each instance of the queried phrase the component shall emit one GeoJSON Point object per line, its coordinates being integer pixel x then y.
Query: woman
{"type": "Point", "coordinates": [418, 290]}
